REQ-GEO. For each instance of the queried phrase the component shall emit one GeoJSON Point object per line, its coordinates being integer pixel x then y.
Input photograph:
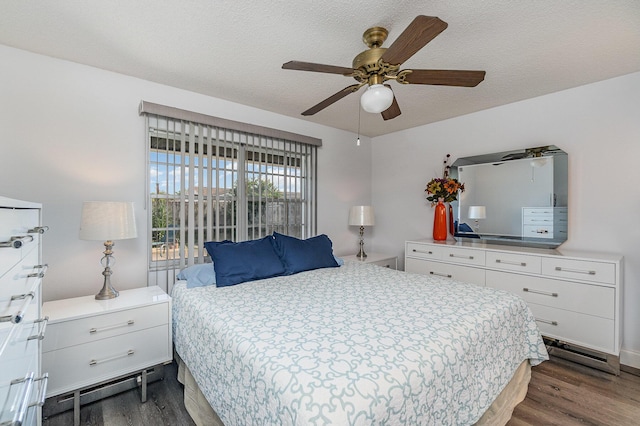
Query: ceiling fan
{"type": "Point", "coordinates": [377, 64]}
{"type": "Point", "coordinates": [536, 152]}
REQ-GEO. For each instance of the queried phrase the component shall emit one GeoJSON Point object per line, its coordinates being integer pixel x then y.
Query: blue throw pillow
{"type": "Point", "coordinates": [244, 261]}
{"type": "Point", "coordinates": [304, 255]}
{"type": "Point", "coordinates": [200, 275]}
{"type": "Point", "coordinates": [209, 245]}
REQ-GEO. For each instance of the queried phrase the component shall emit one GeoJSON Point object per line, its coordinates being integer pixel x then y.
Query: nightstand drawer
{"type": "Point", "coordinates": [84, 365]}
{"type": "Point", "coordinates": [391, 262]}
{"type": "Point", "coordinates": [514, 262]}
{"type": "Point", "coordinates": [61, 334]}
{"type": "Point", "coordinates": [583, 270]}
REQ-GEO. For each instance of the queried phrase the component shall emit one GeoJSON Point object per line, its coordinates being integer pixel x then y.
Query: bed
{"type": "Point", "coordinates": [357, 344]}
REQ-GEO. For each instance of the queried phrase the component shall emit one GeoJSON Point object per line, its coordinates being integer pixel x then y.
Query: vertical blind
{"type": "Point", "coordinates": [211, 183]}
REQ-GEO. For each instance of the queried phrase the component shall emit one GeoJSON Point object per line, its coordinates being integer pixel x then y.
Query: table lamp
{"type": "Point", "coordinates": [361, 216]}
{"type": "Point", "coordinates": [107, 221]}
{"type": "Point", "coordinates": [477, 212]}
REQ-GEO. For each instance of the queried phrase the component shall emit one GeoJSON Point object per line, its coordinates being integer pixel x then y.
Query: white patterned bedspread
{"type": "Point", "coordinates": [354, 345]}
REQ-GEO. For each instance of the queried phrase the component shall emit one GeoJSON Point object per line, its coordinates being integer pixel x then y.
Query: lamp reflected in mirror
{"type": "Point", "coordinates": [476, 213]}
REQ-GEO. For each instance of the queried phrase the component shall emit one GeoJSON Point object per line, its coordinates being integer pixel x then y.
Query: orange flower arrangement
{"type": "Point", "coordinates": [445, 187]}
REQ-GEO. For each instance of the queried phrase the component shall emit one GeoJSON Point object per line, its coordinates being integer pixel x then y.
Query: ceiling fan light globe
{"type": "Point", "coordinates": [376, 98]}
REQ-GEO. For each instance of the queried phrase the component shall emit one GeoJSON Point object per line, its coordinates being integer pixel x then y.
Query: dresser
{"type": "Point", "coordinates": [22, 327]}
{"type": "Point", "coordinates": [91, 344]}
{"type": "Point", "coordinates": [575, 296]}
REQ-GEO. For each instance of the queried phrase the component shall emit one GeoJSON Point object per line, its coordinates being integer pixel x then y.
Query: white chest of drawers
{"type": "Point", "coordinates": [575, 296]}
{"type": "Point", "coordinates": [22, 386]}
{"type": "Point", "coordinates": [90, 341]}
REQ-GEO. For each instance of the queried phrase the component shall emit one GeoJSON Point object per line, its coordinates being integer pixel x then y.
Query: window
{"type": "Point", "coordinates": [211, 183]}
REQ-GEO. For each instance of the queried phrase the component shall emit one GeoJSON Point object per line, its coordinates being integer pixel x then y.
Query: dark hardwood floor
{"type": "Point", "coordinates": [565, 393]}
{"type": "Point", "coordinates": [164, 406]}
{"type": "Point", "coordinates": [560, 393]}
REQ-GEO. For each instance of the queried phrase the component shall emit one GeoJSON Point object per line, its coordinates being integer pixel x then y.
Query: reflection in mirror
{"type": "Point", "coordinates": [515, 197]}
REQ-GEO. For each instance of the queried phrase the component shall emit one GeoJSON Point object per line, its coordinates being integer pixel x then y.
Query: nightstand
{"type": "Point", "coordinates": [92, 342]}
{"type": "Point", "coordinates": [381, 259]}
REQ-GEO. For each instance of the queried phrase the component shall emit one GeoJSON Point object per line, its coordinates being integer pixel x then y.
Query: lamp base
{"type": "Point", "coordinates": [107, 292]}
{"type": "Point", "coordinates": [361, 254]}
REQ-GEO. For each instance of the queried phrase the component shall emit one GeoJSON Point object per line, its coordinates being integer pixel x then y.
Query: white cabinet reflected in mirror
{"type": "Point", "coordinates": [514, 197]}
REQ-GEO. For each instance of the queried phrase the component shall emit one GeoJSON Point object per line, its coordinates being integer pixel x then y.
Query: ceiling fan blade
{"type": "Point", "coordinates": [393, 111]}
{"type": "Point", "coordinates": [445, 77]}
{"type": "Point", "coordinates": [420, 31]}
{"type": "Point", "coordinates": [332, 99]}
{"type": "Point", "coordinates": [310, 66]}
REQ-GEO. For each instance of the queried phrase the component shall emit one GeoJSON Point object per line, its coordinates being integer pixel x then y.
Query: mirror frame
{"type": "Point", "coordinates": [556, 209]}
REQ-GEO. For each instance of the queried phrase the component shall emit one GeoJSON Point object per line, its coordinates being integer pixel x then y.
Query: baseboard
{"type": "Point", "coordinates": [630, 359]}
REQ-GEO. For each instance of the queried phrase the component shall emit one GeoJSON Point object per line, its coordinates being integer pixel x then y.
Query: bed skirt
{"type": "Point", "coordinates": [498, 413]}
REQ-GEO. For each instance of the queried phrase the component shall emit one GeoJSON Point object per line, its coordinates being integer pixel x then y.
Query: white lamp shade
{"type": "Point", "coordinates": [361, 216]}
{"type": "Point", "coordinates": [477, 212]}
{"type": "Point", "coordinates": [376, 98]}
{"type": "Point", "coordinates": [107, 220]}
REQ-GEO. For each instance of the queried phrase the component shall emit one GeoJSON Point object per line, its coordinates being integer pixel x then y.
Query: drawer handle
{"type": "Point", "coordinates": [19, 315]}
{"type": "Point", "coordinates": [40, 335]}
{"type": "Point", "coordinates": [546, 293]}
{"type": "Point", "coordinates": [462, 257]}
{"type": "Point", "coordinates": [577, 271]}
{"type": "Point", "coordinates": [441, 275]}
{"type": "Point", "coordinates": [96, 361]}
{"type": "Point", "coordinates": [23, 404]}
{"type": "Point", "coordinates": [547, 321]}
{"type": "Point", "coordinates": [41, 273]}
{"type": "Point", "coordinates": [17, 242]}
{"type": "Point", "coordinates": [422, 251]}
{"type": "Point", "coordinates": [110, 327]}
{"type": "Point", "coordinates": [42, 392]}
{"type": "Point", "coordinates": [542, 231]}
{"type": "Point", "coordinates": [38, 230]}
{"type": "Point", "coordinates": [508, 262]}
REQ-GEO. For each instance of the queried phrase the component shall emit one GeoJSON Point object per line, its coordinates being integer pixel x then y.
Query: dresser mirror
{"type": "Point", "coordinates": [513, 197]}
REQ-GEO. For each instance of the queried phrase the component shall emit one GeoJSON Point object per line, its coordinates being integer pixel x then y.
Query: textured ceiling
{"type": "Point", "coordinates": [234, 50]}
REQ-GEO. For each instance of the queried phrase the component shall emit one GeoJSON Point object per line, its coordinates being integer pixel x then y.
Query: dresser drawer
{"type": "Point", "coordinates": [447, 270]}
{"type": "Point", "coordinates": [582, 270]}
{"type": "Point", "coordinates": [583, 330]}
{"type": "Point", "coordinates": [83, 330]}
{"type": "Point", "coordinates": [23, 304]}
{"type": "Point", "coordinates": [16, 223]}
{"type": "Point", "coordinates": [514, 262]}
{"type": "Point", "coordinates": [462, 255]}
{"type": "Point", "coordinates": [424, 251]}
{"type": "Point", "coordinates": [538, 220]}
{"type": "Point", "coordinates": [537, 231]}
{"type": "Point", "coordinates": [78, 366]}
{"type": "Point", "coordinates": [20, 278]}
{"type": "Point", "coordinates": [20, 354]}
{"type": "Point", "coordinates": [577, 297]}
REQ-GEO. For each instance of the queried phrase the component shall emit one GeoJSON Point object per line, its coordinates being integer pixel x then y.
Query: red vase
{"type": "Point", "coordinates": [440, 222]}
{"type": "Point", "coordinates": [452, 231]}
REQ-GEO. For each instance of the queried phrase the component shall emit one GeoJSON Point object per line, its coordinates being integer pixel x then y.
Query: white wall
{"type": "Point", "coordinates": [598, 125]}
{"type": "Point", "coordinates": [70, 133]}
